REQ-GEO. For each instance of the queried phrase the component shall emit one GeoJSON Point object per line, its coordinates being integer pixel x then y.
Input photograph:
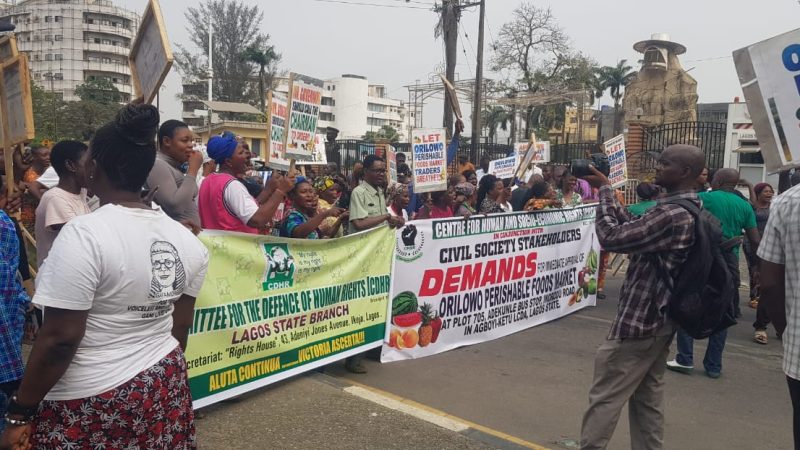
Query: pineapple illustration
{"type": "Point", "coordinates": [426, 330]}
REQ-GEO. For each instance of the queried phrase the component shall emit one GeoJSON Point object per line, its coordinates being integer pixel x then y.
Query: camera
{"type": "Point", "coordinates": [580, 167]}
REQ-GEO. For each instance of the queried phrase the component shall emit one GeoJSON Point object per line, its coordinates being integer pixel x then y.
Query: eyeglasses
{"type": "Point", "coordinates": [377, 170]}
{"type": "Point", "coordinates": [168, 264]}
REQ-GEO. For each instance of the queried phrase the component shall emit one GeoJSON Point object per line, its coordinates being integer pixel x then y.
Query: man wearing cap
{"type": "Point", "coordinates": [225, 204]}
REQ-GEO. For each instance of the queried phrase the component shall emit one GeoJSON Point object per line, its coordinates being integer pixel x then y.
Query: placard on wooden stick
{"type": "Point", "coordinates": [16, 108]}
{"type": "Point", "coordinates": [151, 55]}
{"type": "Point", "coordinates": [451, 91]}
{"type": "Point", "coordinates": [8, 48]}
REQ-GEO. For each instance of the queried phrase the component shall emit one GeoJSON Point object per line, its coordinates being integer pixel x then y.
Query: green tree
{"type": "Point", "coordinates": [99, 90]}
{"type": "Point", "coordinates": [267, 62]}
{"type": "Point", "coordinates": [614, 79]}
{"type": "Point", "coordinates": [48, 107]}
{"type": "Point", "coordinates": [496, 117]}
{"type": "Point", "coordinates": [236, 28]}
{"type": "Point", "coordinates": [386, 133]}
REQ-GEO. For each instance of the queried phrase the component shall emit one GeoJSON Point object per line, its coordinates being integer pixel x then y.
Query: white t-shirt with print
{"type": "Point", "coordinates": [127, 267]}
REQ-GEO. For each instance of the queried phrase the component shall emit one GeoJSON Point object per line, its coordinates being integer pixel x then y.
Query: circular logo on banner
{"type": "Point", "coordinates": [410, 243]}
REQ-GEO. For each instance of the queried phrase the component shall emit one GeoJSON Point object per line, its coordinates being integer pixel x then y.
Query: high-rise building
{"type": "Point", "coordinates": [70, 42]}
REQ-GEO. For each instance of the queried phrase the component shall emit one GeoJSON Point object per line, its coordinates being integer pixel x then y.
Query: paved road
{"type": "Point", "coordinates": [534, 385]}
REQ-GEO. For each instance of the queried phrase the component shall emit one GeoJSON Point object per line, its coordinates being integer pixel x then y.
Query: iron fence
{"type": "Point", "coordinates": [565, 153]}
{"type": "Point", "coordinates": [708, 136]}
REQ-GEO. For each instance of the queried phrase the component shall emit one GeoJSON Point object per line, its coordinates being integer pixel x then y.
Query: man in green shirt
{"type": "Point", "coordinates": [735, 214]}
{"type": "Point", "coordinates": [368, 200]}
{"type": "Point", "coordinates": [368, 210]}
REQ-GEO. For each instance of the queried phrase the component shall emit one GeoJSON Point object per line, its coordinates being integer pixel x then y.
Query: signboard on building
{"type": "Point", "coordinates": [151, 55]}
{"type": "Point", "coordinates": [276, 124]}
{"type": "Point", "coordinates": [769, 72]}
{"type": "Point", "coordinates": [429, 153]}
{"type": "Point", "coordinates": [305, 98]}
{"type": "Point", "coordinates": [615, 150]}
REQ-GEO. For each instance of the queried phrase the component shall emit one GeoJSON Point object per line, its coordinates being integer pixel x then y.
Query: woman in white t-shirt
{"type": "Point", "coordinates": [107, 369]}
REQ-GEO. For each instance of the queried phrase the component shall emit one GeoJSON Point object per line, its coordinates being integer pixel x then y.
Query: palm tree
{"type": "Point", "coordinates": [263, 59]}
{"type": "Point", "coordinates": [614, 79]}
{"type": "Point", "coordinates": [494, 117]}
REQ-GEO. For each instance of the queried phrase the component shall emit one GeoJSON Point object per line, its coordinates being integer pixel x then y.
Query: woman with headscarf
{"type": "Point", "coordinates": [107, 369]}
{"type": "Point", "coordinates": [465, 198]}
{"type": "Point", "coordinates": [490, 194]}
{"type": "Point", "coordinates": [329, 191]}
{"type": "Point", "coordinates": [304, 220]}
{"type": "Point", "coordinates": [225, 203]}
{"type": "Point", "coordinates": [397, 198]}
{"type": "Point", "coordinates": [176, 191]}
{"type": "Point", "coordinates": [648, 193]}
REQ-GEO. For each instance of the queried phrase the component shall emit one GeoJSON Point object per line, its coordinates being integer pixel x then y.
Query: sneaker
{"type": "Point", "coordinates": [355, 367]}
{"type": "Point", "coordinates": [675, 366]}
{"type": "Point", "coordinates": [712, 375]}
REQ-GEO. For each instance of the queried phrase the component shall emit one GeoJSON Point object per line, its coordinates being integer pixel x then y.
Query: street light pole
{"type": "Point", "coordinates": [476, 105]}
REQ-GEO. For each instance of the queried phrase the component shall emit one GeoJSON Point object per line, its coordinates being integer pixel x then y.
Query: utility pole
{"type": "Point", "coordinates": [476, 104]}
{"type": "Point", "coordinates": [451, 13]}
{"type": "Point", "coordinates": [210, 73]}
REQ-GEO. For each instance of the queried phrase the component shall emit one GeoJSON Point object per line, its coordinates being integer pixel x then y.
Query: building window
{"type": "Point", "coordinates": [48, 57]}
{"type": "Point", "coordinates": [59, 37]}
{"type": "Point", "coordinates": [48, 37]}
{"type": "Point", "coordinates": [328, 101]}
{"type": "Point", "coordinates": [36, 57]}
{"type": "Point", "coordinates": [376, 108]}
{"type": "Point", "coordinates": [58, 56]}
{"type": "Point", "coordinates": [58, 76]}
{"type": "Point", "coordinates": [326, 116]}
{"type": "Point", "coordinates": [57, 18]}
{"type": "Point", "coordinates": [105, 22]}
{"type": "Point", "coordinates": [90, 21]}
{"type": "Point", "coordinates": [107, 41]}
{"type": "Point", "coordinates": [48, 19]}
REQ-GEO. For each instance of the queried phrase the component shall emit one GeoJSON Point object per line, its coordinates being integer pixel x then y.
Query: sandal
{"type": "Point", "coordinates": [760, 337]}
{"type": "Point", "coordinates": [754, 302]}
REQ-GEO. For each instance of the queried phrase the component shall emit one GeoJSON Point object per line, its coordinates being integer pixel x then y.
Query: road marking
{"type": "Point", "coordinates": [428, 414]}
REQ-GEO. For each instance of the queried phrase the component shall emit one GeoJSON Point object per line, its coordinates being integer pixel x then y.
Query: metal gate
{"type": "Point", "coordinates": [708, 136]}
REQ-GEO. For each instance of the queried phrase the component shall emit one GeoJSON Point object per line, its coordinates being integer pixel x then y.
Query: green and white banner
{"type": "Point", "coordinates": [272, 308]}
{"type": "Point", "coordinates": [460, 282]}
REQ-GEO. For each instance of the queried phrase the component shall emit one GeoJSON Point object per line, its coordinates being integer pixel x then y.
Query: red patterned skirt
{"type": "Point", "coordinates": [151, 411]}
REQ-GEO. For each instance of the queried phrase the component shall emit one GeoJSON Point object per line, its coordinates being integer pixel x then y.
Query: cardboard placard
{"type": "Point", "coordinates": [8, 48]}
{"type": "Point", "coordinates": [429, 153]}
{"type": "Point", "coordinates": [151, 55]}
{"type": "Point", "coordinates": [541, 151]}
{"type": "Point", "coordinates": [769, 72]}
{"type": "Point", "coordinates": [615, 150]}
{"type": "Point", "coordinates": [504, 167]}
{"type": "Point", "coordinates": [451, 91]}
{"type": "Point", "coordinates": [318, 155]}
{"type": "Point", "coordinates": [305, 99]}
{"type": "Point", "coordinates": [17, 107]}
{"type": "Point", "coordinates": [277, 114]}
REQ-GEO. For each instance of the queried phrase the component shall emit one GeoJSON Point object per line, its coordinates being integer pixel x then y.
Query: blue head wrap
{"type": "Point", "coordinates": [221, 148]}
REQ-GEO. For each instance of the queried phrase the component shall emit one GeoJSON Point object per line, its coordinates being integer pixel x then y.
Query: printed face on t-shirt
{"type": "Point", "coordinates": [167, 270]}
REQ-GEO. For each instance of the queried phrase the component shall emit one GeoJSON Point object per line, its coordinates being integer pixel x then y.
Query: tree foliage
{"type": "Point", "coordinates": [386, 133]}
{"type": "Point", "coordinates": [236, 28]}
{"type": "Point", "coordinates": [56, 119]}
{"type": "Point", "coordinates": [614, 79]}
{"type": "Point", "coordinates": [537, 54]}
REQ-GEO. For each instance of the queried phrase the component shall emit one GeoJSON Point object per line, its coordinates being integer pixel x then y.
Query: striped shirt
{"type": "Point", "coordinates": [779, 246]}
{"type": "Point", "coordinates": [660, 238]}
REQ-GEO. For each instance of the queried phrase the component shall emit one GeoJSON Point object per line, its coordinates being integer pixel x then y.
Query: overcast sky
{"type": "Point", "coordinates": [395, 46]}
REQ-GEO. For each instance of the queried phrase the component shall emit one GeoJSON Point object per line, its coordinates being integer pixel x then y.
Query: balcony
{"type": "Point", "coordinates": [106, 48]}
{"type": "Point", "coordinates": [108, 29]}
{"type": "Point", "coordinates": [119, 68]}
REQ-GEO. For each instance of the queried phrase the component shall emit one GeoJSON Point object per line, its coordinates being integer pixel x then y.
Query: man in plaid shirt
{"type": "Point", "coordinates": [780, 286]}
{"type": "Point", "coordinates": [630, 364]}
{"type": "Point", "coordinates": [14, 303]}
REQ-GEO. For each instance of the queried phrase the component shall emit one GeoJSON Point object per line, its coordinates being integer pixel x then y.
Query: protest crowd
{"type": "Point", "coordinates": [140, 191]}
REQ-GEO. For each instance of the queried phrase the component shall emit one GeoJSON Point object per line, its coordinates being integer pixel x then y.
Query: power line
{"type": "Point", "coordinates": [471, 47]}
{"type": "Point", "coordinates": [466, 57]}
{"type": "Point", "coordinates": [491, 35]}
{"type": "Point", "coordinates": [370, 4]}
{"type": "Point", "coordinates": [709, 59]}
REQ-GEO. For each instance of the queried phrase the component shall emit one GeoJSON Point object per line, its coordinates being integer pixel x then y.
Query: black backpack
{"type": "Point", "coordinates": [703, 292]}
